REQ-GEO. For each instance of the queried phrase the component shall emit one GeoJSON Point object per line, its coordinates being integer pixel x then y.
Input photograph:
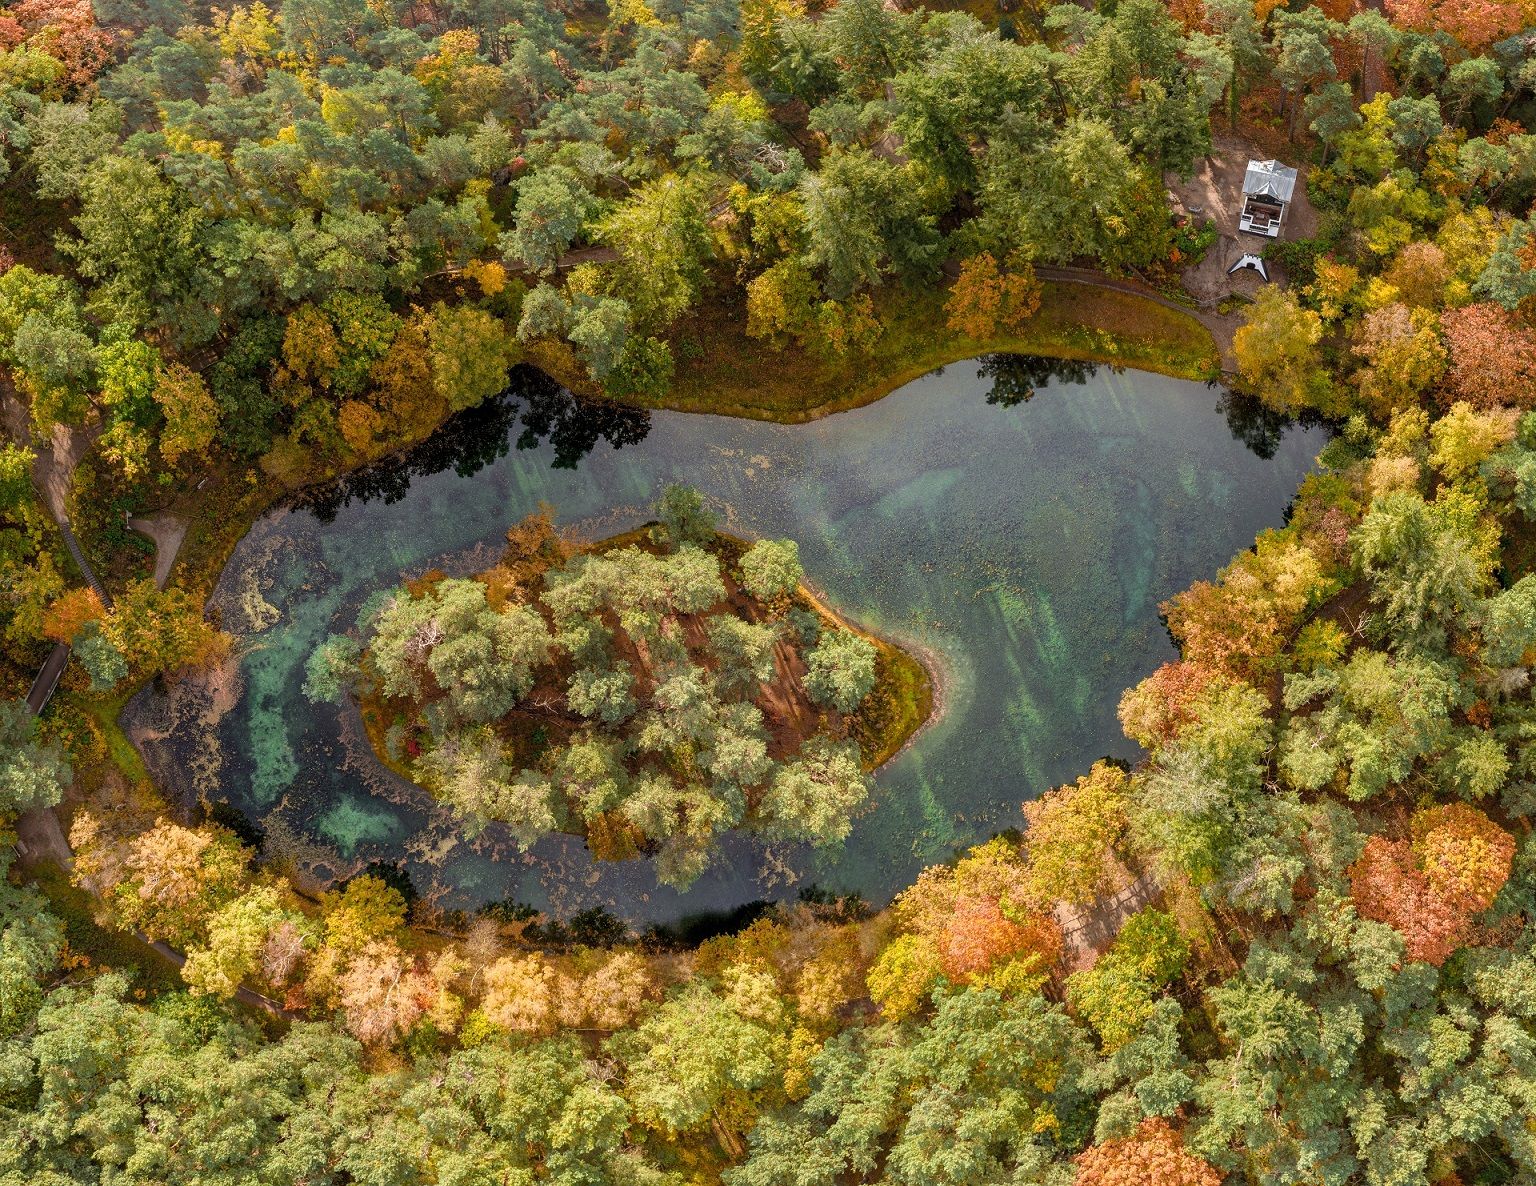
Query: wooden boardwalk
{"type": "Point", "coordinates": [1090, 929]}
{"type": "Point", "coordinates": [58, 659]}
{"type": "Point", "coordinates": [48, 678]}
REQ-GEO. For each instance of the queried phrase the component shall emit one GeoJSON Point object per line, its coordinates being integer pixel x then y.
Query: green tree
{"type": "Point", "coordinates": [949, 105]}
{"type": "Point", "coordinates": [663, 243]}
{"type": "Point", "coordinates": [1372, 719]}
{"type": "Point", "coordinates": [692, 1063]}
{"type": "Point", "coordinates": [871, 44]}
{"type": "Point", "coordinates": [144, 244]}
{"type": "Point", "coordinates": [1427, 562]}
{"type": "Point", "coordinates": [552, 208]}
{"type": "Point", "coordinates": [1117, 995]}
{"type": "Point", "coordinates": [770, 569]}
{"type": "Point", "coordinates": [68, 139]}
{"type": "Point", "coordinates": [31, 941]}
{"type": "Point", "coordinates": [330, 669]}
{"type": "Point", "coordinates": [971, 1096]}
{"type": "Point", "coordinates": [743, 652]}
{"type": "Point", "coordinates": [236, 936]}
{"type": "Point", "coordinates": [33, 773]}
{"type": "Point", "coordinates": [840, 670]}
{"type": "Point", "coordinates": [682, 517]}
{"type": "Point", "coordinates": [814, 796]}
{"type": "Point", "coordinates": [102, 661]}
{"type": "Point", "coordinates": [1509, 623]}
{"type": "Point", "coordinates": [536, 1113]}
{"type": "Point", "coordinates": [1304, 57]}
{"type": "Point", "coordinates": [16, 493]}
{"type": "Point", "coordinates": [1082, 194]}
{"type": "Point", "coordinates": [864, 220]}
{"type": "Point", "coordinates": [482, 660]}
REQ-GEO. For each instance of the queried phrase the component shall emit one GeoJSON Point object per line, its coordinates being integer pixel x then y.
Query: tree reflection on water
{"type": "Point", "coordinates": [472, 439]}
{"type": "Point", "coordinates": [1015, 377]}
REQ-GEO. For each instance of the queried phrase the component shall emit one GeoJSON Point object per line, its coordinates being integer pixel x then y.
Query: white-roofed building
{"type": "Point", "coordinates": [1267, 190]}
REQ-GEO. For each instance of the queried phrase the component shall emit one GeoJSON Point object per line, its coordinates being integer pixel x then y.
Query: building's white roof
{"type": "Point", "coordinates": [1271, 179]}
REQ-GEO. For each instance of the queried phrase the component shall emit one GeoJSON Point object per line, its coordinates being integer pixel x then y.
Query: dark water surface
{"type": "Point", "coordinates": [1023, 544]}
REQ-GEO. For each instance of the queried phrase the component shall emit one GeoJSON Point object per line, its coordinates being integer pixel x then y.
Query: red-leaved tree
{"type": "Point", "coordinates": [1430, 889]}
{"type": "Point", "coordinates": [65, 30]}
{"type": "Point", "coordinates": [1493, 357]}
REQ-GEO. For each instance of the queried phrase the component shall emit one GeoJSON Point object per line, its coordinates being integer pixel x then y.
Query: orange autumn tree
{"type": "Point", "coordinates": [1153, 1155]}
{"type": "Point", "coordinates": [1237, 626]}
{"type": "Point", "coordinates": [1465, 856]}
{"type": "Point", "coordinates": [987, 297]}
{"type": "Point", "coordinates": [64, 30]}
{"type": "Point", "coordinates": [1493, 357]}
{"type": "Point", "coordinates": [1476, 24]}
{"type": "Point", "coordinates": [1156, 710]}
{"type": "Point", "coordinates": [974, 923]}
{"type": "Point", "coordinates": [68, 616]}
{"type": "Point", "coordinates": [1430, 888]}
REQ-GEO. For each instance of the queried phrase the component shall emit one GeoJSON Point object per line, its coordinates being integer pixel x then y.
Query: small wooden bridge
{"type": "Point", "coordinates": [48, 678]}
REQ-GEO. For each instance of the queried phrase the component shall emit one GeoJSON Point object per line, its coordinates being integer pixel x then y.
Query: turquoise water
{"type": "Point", "coordinates": [1023, 546]}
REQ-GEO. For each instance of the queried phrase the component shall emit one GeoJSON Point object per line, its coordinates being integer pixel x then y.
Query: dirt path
{"type": "Point", "coordinates": [40, 838]}
{"type": "Point", "coordinates": [57, 456]}
{"type": "Point", "coordinates": [167, 531]}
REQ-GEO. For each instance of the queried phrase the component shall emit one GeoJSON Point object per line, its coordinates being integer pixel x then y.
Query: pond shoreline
{"type": "Point", "coordinates": [1053, 333]}
{"type": "Point", "coordinates": [928, 516]}
{"type": "Point", "coordinates": [925, 657]}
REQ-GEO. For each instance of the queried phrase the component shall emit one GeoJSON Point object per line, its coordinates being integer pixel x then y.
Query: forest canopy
{"type": "Point", "coordinates": [254, 245]}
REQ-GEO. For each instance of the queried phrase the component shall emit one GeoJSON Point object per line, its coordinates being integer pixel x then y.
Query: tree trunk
{"type": "Point", "coordinates": [729, 1141]}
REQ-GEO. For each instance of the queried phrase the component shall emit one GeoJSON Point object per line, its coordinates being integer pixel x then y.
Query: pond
{"type": "Point", "coordinates": [1013, 520]}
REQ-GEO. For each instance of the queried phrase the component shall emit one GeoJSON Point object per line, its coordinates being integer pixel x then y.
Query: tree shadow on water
{"type": "Point", "coordinates": [1016, 377]}
{"type": "Point", "coordinates": [470, 440]}
{"type": "Point", "coordinates": [1259, 427]}
{"type": "Point", "coordinates": [572, 425]}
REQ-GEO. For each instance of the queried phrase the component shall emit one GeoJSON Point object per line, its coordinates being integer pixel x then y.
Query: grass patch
{"type": "Point", "coordinates": [721, 370]}
{"type": "Point", "coordinates": [103, 710]}
{"type": "Point", "coordinates": [106, 949]}
{"type": "Point", "coordinates": [899, 705]}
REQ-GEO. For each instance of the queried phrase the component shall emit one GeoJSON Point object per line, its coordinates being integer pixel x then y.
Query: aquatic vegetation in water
{"type": "Point", "coordinates": [1021, 550]}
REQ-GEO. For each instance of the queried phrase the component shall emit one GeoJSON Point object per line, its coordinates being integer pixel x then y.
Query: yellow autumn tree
{"type": "Point", "coordinates": [1072, 833]}
{"type": "Point", "coordinates": [988, 297]}
{"type": "Point", "coordinates": [191, 414]}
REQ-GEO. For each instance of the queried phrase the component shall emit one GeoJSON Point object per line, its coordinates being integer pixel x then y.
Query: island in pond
{"type": "Point", "coordinates": [648, 692]}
